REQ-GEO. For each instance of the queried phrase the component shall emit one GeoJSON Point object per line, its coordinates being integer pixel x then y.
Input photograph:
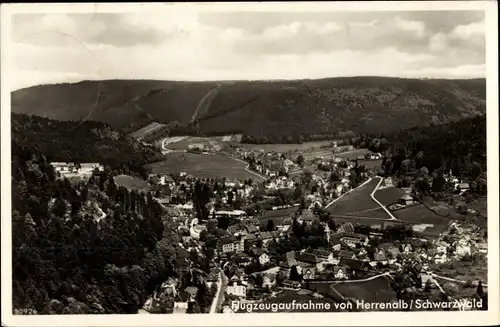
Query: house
{"type": "Point", "coordinates": [308, 273]}
{"type": "Point", "coordinates": [232, 244]}
{"type": "Point", "coordinates": [268, 280]}
{"type": "Point", "coordinates": [379, 256]}
{"type": "Point", "coordinates": [355, 266]}
{"type": "Point", "coordinates": [291, 285]}
{"type": "Point", "coordinates": [236, 287]}
{"type": "Point", "coordinates": [250, 229]}
{"type": "Point", "coordinates": [440, 258]}
{"type": "Point", "coordinates": [181, 302]}
{"type": "Point", "coordinates": [462, 187]}
{"type": "Point", "coordinates": [325, 257]}
{"type": "Point", "coordinates": [307, 217]}
{"type": "Point", "coordinates": [260, 254]}
{"type": "Point", "coordinates": [267, 237]}
{"type": "Point", "coordinates": [346, 254]}
{"type": "Point", "coordinates": [462, 249]}
{"type": "Point", "coordinates": [346, 228]}
{"type": "Point", "coordinates": [388, 182]}
{"type": "Point", "coordinates": [406, 248]}
{"type": "Point", "coordinates": [340, 272]}
{"type": "Point", "coordinates": [406, 200]}
{"type": "Point", "coordinates": [426, 277]}
{"type": "Point", "coordinates": [353, 240]}
{"type": "Point", "coordinates": [193, 291]}
{"type": "Point", "coordinates": [213, 276]}
{"type": "Point", "coordinates": [250, 241]}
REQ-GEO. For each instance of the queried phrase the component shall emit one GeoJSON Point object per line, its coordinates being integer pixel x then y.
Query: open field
{"type": "Point", "coordinates": [203, 165]}
{"type": "Point", "coordinates": [389, 195]}
{"type": "Point", "coordinates": [359, 203]}
{"type": "Point", "coordinates": [419, 214]}
{"type": "Point", "coordinates": [375, 290]}
{"type": "Point", "coordinates": [302, 147]}
{"type": "Point", "coordinates": [132, 183]}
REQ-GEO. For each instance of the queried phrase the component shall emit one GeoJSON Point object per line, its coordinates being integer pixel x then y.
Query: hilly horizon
{"type": "Point", "coordinates": [256, 109]}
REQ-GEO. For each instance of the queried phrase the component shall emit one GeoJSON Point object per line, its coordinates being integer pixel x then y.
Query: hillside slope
{"type": "Point", "coordinates": [89, 141]}
{"type": "Point", "coordinates": [276, 109]}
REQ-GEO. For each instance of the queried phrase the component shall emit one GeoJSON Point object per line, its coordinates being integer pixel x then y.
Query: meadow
{"type": "Point", "coordinates": [359, 203]}
{"type": "Point", "coordinates": [203, 166]}
{"type": "Point", "coordinates": [420, 214]}
{"type": "Point", "coordinates": [375, 290]}
{"type": "Point", "coordinates": [389, 195]}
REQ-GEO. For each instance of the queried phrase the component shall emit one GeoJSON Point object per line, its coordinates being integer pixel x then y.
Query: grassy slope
{"type": "Point", "coordinates": [282, 108]}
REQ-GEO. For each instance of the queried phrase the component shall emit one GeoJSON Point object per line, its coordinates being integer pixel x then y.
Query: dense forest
{"type": "Point", "coordinates": [264, 111]}
{"type": "Point", "coordinates": [459, 146]}
{"type": "Point", "coordinates": [78, 142]}
{"type": "Point", "coordinates": [89, 247]}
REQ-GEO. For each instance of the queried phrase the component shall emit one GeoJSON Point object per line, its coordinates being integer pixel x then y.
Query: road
{"type": "Point", "coordinates": [219, 295]}
{"type": "Point", "coordinates": [247, 167]}
{"type": "Point", "coordinates": [372, 195]}
{"type": "Point", "coordinates": [387, 273]}
{"type": "Point", "coordinates": [455, 280]}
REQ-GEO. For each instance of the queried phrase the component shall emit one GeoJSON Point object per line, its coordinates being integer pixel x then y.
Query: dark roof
{"type": "Point", "coordinates": [182, 296]}
{"type": "Point", "coordinates": [251, 229]}
{"type": "Point", "coordinates": [291, 282]}
{"type": "Point", "coordinates": [353, 263]}
{"type": "Point", "coordinates": [251, 237]}
{"type": "Point", "coordinates": [321, 253]}
{"type": "Point", "coordinates": [306, 257]}
{"type": "Point", "coordinates": [256, 251]}
{"type": "Point", "coordinates": [193, 290]}
{"type": "Point", "coordinates": [346, 254]}
{"type": "Point", "coordinates": [232, 229]}
{"type": "Point", "coordinates": [308, 216]}
{"type": "Point", "coordinates": [266, 235]}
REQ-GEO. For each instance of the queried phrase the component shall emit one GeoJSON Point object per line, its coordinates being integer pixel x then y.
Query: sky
{"type": "Point", "coordinates": [211, 45]}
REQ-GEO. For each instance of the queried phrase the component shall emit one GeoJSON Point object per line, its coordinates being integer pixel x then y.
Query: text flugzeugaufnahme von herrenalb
{"type": "Point", "coordinates": [417, 304]}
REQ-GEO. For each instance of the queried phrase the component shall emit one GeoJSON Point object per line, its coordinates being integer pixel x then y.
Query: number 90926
{"type": "Point", "coordinates": [25, 312]}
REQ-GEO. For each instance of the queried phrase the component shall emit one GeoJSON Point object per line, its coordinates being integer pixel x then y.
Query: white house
{"type": "Point", "coordinates": [263, 258]}
{"type": "Point", "coordinates": [236, 287]}
{"type": "Point", "coordinates": [340, 272]}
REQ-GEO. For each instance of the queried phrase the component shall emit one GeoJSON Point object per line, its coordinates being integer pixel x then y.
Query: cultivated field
{"type": "Point", "coordinates": [203, 166]}
{"type": "Point", "coordinates": [389, 195]}
{"type": "Point", "coordinates": [132, 183]}
{"type": "Point", "coordinates": [306, 146]}
{"type": "Point", "coordinates": [359, 203]}
{"type": "Point", "coordinates": [375, 290]}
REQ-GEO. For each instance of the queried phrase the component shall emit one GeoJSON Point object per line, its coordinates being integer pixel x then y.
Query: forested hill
{"type": "Point", "coordinates": [80, 142]}
{"type": "Point", "coordinates": [458, 146]}
{"type": "Point", "coordinates": [276, 110]}
{"type": "Point", "coordinates": [86, 248]}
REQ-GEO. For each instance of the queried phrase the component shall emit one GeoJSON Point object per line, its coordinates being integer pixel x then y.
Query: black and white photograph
{"type": "Point", "coordinates": [207, 160]}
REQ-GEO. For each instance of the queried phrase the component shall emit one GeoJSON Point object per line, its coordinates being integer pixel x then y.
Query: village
{"type": "Point", "coordinates": [261, 241]}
